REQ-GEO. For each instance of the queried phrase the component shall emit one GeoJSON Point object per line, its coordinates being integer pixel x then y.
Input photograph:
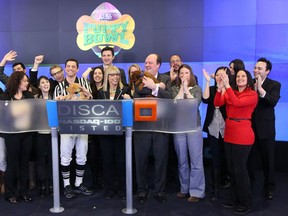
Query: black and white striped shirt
{"type": "Point", "coordinates": [60, 89]}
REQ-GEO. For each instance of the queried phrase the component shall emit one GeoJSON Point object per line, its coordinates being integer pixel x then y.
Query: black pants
{"type": "Point", "coordinates": [44, 157]}
{"type": "Point", "coordinates": [263, 151]}
{"type": "Point", "coordinates": [240, 190]}
{"type": "Point", "coordinates": [218, 159]}
{"type": "Point", "coordinates": [113, 162]}
{"type": "Point", "coordinates": [158, 143]}
{"type": "Point", "coordinates": [18, 148]}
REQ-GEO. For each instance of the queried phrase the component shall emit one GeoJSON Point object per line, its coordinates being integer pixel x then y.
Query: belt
{"type": "Point", "coordinates": [239, 119]}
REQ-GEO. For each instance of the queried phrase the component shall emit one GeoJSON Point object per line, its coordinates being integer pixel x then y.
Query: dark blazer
{"type": "Point", "coordinates": [162, 93]}
{"type": "Point", "coordinates": [34, 77]}
{"type": "Point", "coordinates": [118, 94]}
{"type": "Point", "coordinates": [122, 72]}
{"type": "Point", "coordinates": [211, 108]}
{"type": "Point", "coordinates": [26, 94]}
{"type": "Point", "coordinates": [4, 78]}
{"type": "Point", "coordinates": [263, 118]}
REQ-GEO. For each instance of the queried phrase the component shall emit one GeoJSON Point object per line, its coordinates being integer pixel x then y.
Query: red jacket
{"type": "Point", "coordinates": [239, 109]}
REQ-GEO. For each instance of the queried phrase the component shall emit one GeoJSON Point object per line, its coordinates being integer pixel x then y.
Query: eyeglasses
{"type": "Point", "coordinates": [58, 72]}
{"type": "Point", "coordinates": [114, 74]}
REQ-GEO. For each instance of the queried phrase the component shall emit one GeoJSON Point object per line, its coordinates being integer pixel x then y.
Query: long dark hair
{"type": "Point", "coordinates": [250, 82]}
{"type": "Point", "coordinates": [238, 64]}
{"type": "Point", "coordinates": [38, 83]}
{"type": "Point", "coordinates": [228, 72]}
{"type": "Point", "coordinates": [93, 83]}
{"type": "Point", "coordinates": [14, 82]}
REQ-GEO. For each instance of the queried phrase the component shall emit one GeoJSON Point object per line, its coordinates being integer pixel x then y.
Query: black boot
{"type": "Point", "coordinates": [214, 196]}
{"type": "Point", "coordinates": [2, 186]}
{"type": "Point", "coordinates": [50, 187]}
{"type": "Point", "coordinates": [42, 188]}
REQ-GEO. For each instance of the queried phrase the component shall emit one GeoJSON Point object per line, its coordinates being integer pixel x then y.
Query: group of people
{"type": "Point", "coordinates": [239, 121]}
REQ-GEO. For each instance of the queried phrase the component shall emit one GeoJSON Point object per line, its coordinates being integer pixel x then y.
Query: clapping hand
{"type": "Point", "coordinates": [258, 83]}
{"type": "Point", "coordinates": [206, 75]}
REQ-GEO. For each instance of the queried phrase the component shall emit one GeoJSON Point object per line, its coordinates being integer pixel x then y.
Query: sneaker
{"type": "Point", "coordinates": [83, 190]}
{"type": "Point", "coordinates": [69, 192]}
{"type": "Point", "coordinates": [242, 211]}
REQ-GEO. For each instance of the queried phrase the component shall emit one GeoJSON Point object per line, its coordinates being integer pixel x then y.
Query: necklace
{"type": "Point", "coordinates": [112, 91]}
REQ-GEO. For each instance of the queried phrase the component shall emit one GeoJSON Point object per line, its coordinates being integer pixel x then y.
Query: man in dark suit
{"type": "Point", "coordinates": [107, 55]}
{"type": "Point", "coordinates": [263, 121]}
{"type": "Point", "coordinates": [146, 142]}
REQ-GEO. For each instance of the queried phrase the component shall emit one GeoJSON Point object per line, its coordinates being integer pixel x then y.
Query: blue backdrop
{"type": "Point", "coordinates": [206, 33]}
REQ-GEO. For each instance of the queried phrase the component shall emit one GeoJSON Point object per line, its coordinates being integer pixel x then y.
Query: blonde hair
{"type": "Point", "coordinates": [129, 73]}
{"type": "Point", "coordinates": [111, 70]}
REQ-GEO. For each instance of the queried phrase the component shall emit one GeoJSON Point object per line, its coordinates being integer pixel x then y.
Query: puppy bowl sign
{"type": "Point", "coordinates": [105, 27]}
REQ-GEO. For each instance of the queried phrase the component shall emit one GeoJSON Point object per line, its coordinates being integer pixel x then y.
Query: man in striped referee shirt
{"type": "Point", "coordinates": [69, 141]}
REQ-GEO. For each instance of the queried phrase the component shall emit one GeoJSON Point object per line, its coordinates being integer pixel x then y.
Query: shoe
{"type": "Point", "coordinates": [42, 189]}
{"type": "Point", "coordinates": [122, 194]}
{"type": "Point", "coordinates": [2, 186]}
{"type": "Point", "coordinates": [213, 198]}
{"type": "Point", "coordinates": [109, 194]}
{"type": "Point", "coordinates": [229, 205]}
{"type": "Point", "coordinates": [161, 198]}
{"type": "Point", "coordinates": [193, 199]}
{"type": "Point", "coordinates": [13, 200]}
{"type": "Point", "coordinates": [225, 184]}
{"type": "Point", "coordinates": [50, 190]}
{"type": "Point", "coordinates": [26, 198]}
{"type": "Point", "coordinates": [269, 195]}
{"type": "Point", "coordinates": [142, 198]}
{"type": "Point", "coordinates": [69, 192]}
{"type": "Point", "coordinates": [181, 195]}
{"type": "Point", "coordinates": [242, 211]}
{"type": "Point", "coordinates": [32, 184]}
{"type": "Point", "coordinates": [83, 190]}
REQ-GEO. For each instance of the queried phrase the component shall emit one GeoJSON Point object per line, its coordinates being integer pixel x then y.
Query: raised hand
{"type": "Point", "coordinates": [206, 75]}
{"type": "Point", "coordinates": [225, 80]}
{"type": "Point", "coordinates": [38, 59]}
{"type": "Point", "coordinates": [173, 75]}
{"type": "Point", "coordinates": [11, 55]}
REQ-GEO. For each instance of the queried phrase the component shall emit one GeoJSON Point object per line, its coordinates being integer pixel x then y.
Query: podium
{"type": "Point", "coordinates": [98, 117]}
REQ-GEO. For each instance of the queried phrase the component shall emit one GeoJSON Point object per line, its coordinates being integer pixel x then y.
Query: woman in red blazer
{"type": "Point", "coordinates": [238, 136]}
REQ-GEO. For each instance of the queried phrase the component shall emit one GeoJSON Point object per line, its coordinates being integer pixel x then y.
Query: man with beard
{"type": "Point", "coordinates": [175, 62]}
